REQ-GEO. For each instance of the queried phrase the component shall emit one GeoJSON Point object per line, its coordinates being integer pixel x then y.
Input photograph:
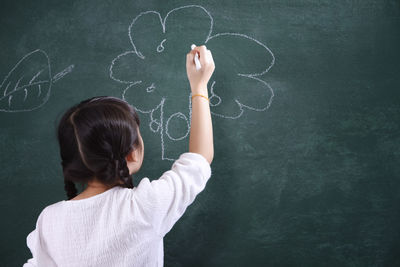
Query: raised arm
{"type": "Point", "coordinates": [164, 200]}
{"type": "Point", "coordinates": [201, 132]}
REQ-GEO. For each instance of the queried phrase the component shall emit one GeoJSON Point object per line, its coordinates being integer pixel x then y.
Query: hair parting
{"type": "Point", "coordinates": [95, 136]}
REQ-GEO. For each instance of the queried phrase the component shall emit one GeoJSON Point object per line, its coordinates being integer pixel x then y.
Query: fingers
{"type": "Point", "coordinates": [204, 54]}
{"type": "Point", "coordinates": [199, 77]}
{"type": "Point", "coordinates": [190, 59]}
{"type": "Point", "coordinates": [202, 49]}
{"type": "Point", "coordinates": [209, 57]}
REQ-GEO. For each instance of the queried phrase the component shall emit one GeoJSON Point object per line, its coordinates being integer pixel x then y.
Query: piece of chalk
{"type": "Point", "coordinates": [196, 58]}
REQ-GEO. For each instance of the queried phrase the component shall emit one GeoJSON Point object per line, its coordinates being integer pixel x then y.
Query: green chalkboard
{"type": "Point", "coordinates": [305, 105]}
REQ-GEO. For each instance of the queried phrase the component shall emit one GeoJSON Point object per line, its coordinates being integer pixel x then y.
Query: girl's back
{"type": "Point", "coordinates": [112, 223]}
{"type": "Point", "coordinates": [121, 226]}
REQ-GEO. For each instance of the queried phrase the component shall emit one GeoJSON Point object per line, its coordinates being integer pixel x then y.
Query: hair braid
{"type": "Point", "coordinates": [70, 188]}
{"type": "Point", "coordinates": [123, 172]}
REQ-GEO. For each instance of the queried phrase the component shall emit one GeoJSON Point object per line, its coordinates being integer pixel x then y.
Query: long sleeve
{"type": "Point", "coordinates": [166, 199]}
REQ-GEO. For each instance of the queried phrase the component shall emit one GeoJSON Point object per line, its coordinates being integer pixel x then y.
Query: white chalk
{"type": "Point", "coordinates": [196, 58]}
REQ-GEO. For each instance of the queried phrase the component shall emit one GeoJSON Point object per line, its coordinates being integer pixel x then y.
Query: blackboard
{"type": "Point", "coordinates": [305, 101]}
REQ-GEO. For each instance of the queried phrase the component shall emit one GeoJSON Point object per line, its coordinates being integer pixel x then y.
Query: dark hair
{"type": "Point", "coordinates": [95, 136]}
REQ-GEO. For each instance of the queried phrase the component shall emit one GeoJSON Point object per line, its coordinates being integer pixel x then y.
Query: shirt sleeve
{"type": "Point", "coordinates": [31, 242]}
{"type": "Point", "coordinates": [165, 200]}
{"type": "Point", "coordinates": [35, 244]}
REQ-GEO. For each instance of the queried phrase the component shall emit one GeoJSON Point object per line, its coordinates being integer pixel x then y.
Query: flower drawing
{"type": "Point", "coordinates": [153, 71]}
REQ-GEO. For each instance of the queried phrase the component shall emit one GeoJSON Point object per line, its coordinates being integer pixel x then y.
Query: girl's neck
{"type": "Point", "coordinates": [93, 188]}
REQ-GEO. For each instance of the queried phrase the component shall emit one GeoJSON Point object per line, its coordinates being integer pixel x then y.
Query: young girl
{"type": "Point", "coordinates": [111, 223]}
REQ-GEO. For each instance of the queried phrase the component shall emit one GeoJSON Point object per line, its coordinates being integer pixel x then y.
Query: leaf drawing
{"type": "Point", "coordinates": [27, 86]}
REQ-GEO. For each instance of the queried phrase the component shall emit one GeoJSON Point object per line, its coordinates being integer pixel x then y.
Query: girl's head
{"type": "Point", "coordinates": [100, 140]}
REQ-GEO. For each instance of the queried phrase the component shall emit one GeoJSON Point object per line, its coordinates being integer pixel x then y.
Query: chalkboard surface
{"type": "Point", "coordinates": [305, 102]}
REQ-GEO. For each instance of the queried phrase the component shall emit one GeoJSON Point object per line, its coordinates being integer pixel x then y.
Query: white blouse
{"type": "Point", "coordinates": [121, 226]}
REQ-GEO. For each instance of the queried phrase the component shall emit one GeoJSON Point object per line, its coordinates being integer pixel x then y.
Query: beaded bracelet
{"type": "Point", "coordinates": [201, 96]}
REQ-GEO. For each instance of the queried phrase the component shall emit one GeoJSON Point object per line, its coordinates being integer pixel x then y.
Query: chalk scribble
{"type": "Point", "coordinates": [151, 67]}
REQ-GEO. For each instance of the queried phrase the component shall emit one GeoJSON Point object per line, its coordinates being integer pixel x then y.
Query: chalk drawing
{"type": "Point", "coordinates": [11, 101]}
{"type": "Point", "coordinates": [160, 124]}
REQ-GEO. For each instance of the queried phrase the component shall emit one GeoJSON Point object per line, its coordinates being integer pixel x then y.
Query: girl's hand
{"type": "Point", "coordinates": [198, 79]}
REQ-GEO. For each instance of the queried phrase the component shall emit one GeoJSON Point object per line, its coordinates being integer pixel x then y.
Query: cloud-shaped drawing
{"type": "Point", "coordinates": [156, 63]}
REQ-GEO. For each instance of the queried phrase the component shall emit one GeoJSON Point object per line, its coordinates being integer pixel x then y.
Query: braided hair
{"type": "Point", "coordinates": [95, 136]}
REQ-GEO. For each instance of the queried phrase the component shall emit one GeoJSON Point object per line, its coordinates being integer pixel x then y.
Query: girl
{"type": "Point", "coordinates": [111, 223]}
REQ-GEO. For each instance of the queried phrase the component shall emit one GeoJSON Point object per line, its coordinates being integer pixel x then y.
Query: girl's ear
{"type": "Point", "coordinates": [131, 156]}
